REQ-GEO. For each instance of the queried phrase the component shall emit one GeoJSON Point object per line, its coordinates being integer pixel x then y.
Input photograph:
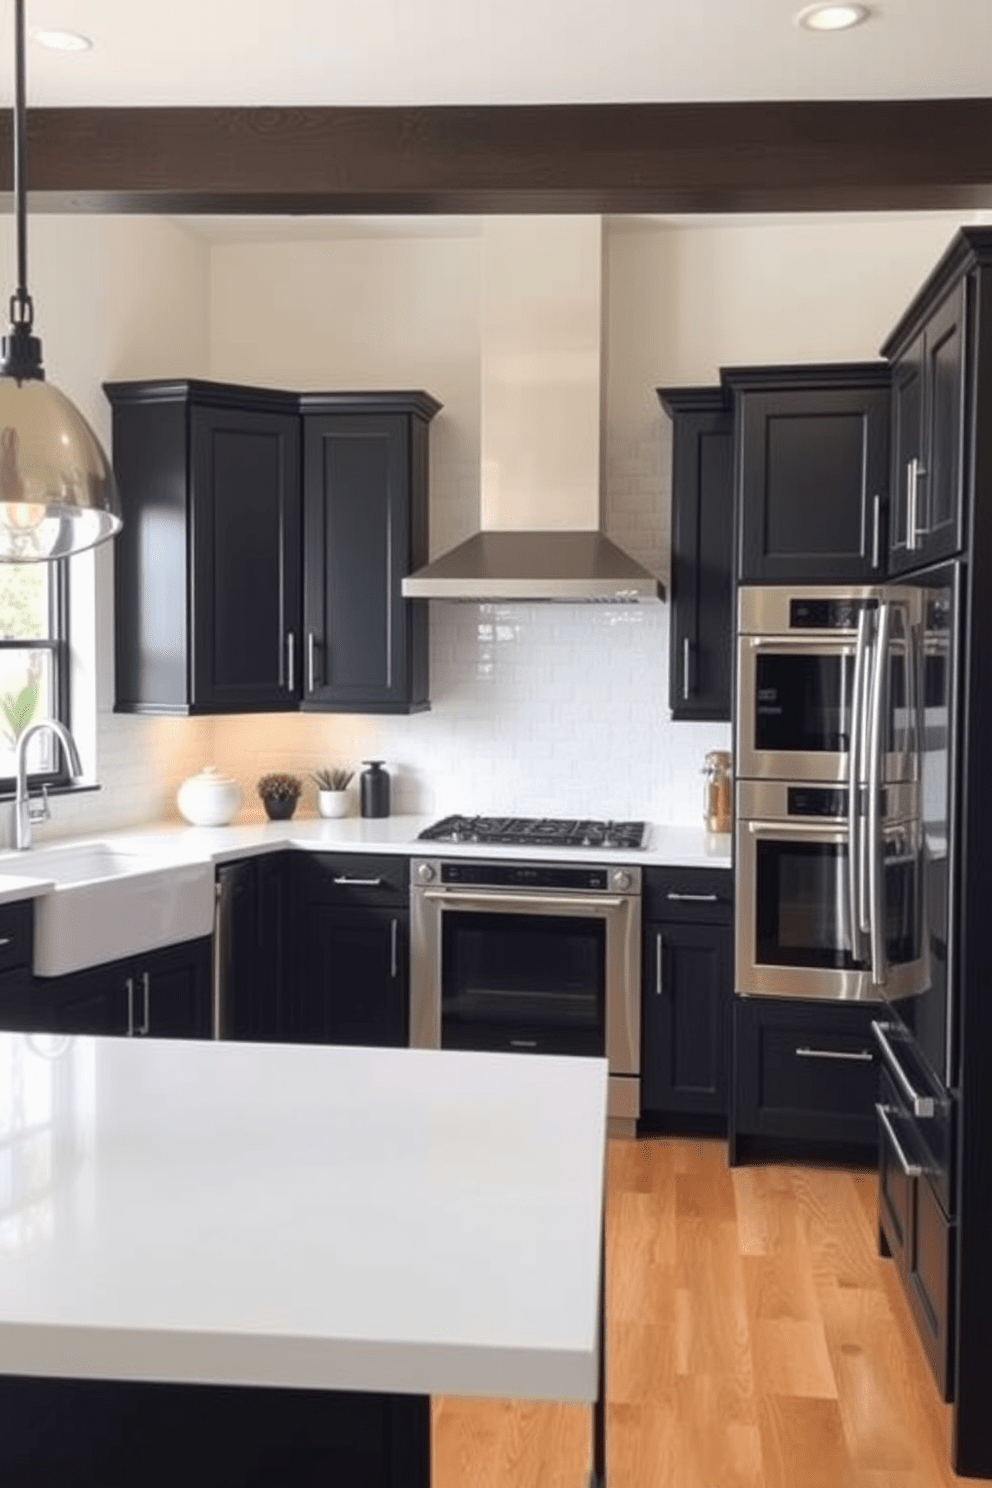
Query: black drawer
{"type": "Point", "coordinates": [805, 1070]}
{"type": "Point", "coordinates": [15, 933]}
{"type": "Point", "coordinates": [357, 878]}
{"type": "Point", "coordinates": [690, 895]}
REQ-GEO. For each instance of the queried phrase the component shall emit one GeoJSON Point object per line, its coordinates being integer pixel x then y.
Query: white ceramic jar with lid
{"type": "Point", "coordinates": [209, 799]}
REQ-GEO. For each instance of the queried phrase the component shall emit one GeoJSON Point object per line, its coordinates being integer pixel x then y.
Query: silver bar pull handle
{"type": "Point", "coordinates": [693, 898]}
{"type": "Point", "coordinates": [876, 874]}
{"type": "Point", "coordinates": [876, 531]}
{"type": "Point", "coordinates": [145, 990]}
{"type": "Point", "coordinates": [4, 940]}
{"type": "Point", "coordinates": [854, 1056]}
{"type": "Point", "coordinates": [659, 952]}
{"type": "Point", "coordinates": [290, 661]}
{"type": "Point", "coordinates": [920, 1105]}
{"type": "Point", "coordinates": [311, 667]}
{"type": "Point", "coordinates": [911, 504]}
{"type": "Point", "coordinates": [129, 984]}
{"type": "Point", "coordinates": [393, 961]}
{"type": "Point", "coordinates": [368, 883]}
{"type": "Point", "coordinates": [523, 1043]}
{"type": "Point", "coordinates": [686, 665]}
{"type": "Point", "coordinates": [854, 857]}
{"type": "Point", "coordinates": [912, 1170]}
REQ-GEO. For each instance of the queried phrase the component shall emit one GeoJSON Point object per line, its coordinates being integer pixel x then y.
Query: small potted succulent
{"type": "Point", "coordinates": [332, 791]}
{"type": "Point", "coordinates": [279, 794]}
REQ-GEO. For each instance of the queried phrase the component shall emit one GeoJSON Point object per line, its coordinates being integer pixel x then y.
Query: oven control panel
{"type": "Point", "coordinates": [579, 878]}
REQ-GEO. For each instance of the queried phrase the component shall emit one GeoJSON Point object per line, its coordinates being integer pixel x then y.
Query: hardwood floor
{"type": "Point", "coordinates": [755, 1340]}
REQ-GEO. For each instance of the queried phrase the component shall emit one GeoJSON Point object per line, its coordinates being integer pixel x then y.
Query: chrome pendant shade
{"type": "Point", "coordinates": [57, 490]}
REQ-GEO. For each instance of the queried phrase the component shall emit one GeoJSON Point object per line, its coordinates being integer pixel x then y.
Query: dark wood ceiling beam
{"type": "Point", "coordinates": [705, 157]}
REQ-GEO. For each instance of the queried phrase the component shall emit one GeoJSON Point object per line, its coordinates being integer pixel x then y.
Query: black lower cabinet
{"type": "Point", "coordinates": [804, 1074]}
{"type": "Point", "coordinates": [161, 994]}
{"type": "Point", "coordinates": [686, 986]}
{"type": "Point", "coordinates": [915, 1231]}
{"type": "Point", "coordinates": [255, 947]}
{"type": "Point", "coordinates": [352, 986]}
{"type": "Point", "coordinates": [109, 1434]}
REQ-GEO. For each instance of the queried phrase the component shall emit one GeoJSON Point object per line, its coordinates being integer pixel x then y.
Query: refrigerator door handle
{"type": "Point", "coordinates": [876, 745]}
{"type": "Point", "coordinates": [854, 851]}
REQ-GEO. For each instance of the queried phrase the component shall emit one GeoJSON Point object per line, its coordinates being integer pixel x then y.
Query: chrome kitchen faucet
{"type": "Point", "coordinates": [24, 813]}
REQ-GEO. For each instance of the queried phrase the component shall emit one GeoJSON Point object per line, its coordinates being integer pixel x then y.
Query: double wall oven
{"type": "Point", "coordinates": [828, 834]}
{"type": "Point", "coordinates": [530, 957]}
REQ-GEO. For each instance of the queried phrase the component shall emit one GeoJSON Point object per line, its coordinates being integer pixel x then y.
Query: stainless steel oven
{"type": "Point", "coordinates": [815, 916]}
{"type": "Point", "coordinates": [806, 670]}
{"type": "Point", "coordinates": [530, 958]}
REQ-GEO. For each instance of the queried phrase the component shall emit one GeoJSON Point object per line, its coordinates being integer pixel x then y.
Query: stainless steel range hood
{"type": "Point", "coordinates": [539, 432]}
{"type": "Point", "coordinates": [563, 566]}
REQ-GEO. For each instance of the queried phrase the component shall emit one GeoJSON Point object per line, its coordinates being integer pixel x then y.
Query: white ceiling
{"type": "Point", "coordinates": [381, 52]}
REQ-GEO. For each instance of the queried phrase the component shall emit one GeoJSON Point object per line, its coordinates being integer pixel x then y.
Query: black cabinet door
{"type": "Point", "coordinates": [907, 450]}
{"type": "Point", "coordinates": [702, 583]}
{"type": "Point", "coordinates": [353, 986]}
{"type": "Point", "coordinates": [686, 1006]}
{"type": "Point", "coordinates": [928, 383]}
{"type": "Point", "coordinates": [172, 992]}
{"type": "Point", "coordinates": [804, 1071]}
{"type": "Point", "coordinates": [255, 941]}
{"type": "Point", "coordinates": [364, 519]}
{"type": "Point", "coordinates": [87, 1002]}
{"type": "Point", "coordinates": [812, 474]}
{"type": "Point", "coordinates": [246, 559]}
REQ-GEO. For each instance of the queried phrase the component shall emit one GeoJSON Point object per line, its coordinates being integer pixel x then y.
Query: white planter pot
{"type": "Point", "coordinates": [332, 803]}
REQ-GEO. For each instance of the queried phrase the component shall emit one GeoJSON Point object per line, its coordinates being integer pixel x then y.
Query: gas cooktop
{"type": "Point", "coordinates": [535, 831]}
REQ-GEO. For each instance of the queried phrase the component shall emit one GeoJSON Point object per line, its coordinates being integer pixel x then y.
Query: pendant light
{"type": "Point", "coordinates": [57, 489]}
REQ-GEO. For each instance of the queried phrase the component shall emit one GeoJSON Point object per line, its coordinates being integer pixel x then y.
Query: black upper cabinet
{"type": "Point", "coordinates": [245, 558]}
{"type": "Point", "coordinates": [701, 626]}
{"type": "Point", "coordinates": [265, 538]}
{"type": "Point", "coordinates": [928, 405]}
{"type": "Point", "coordinates": [811, 471]}
{"type": "Point", "coordinates": [365, 525]}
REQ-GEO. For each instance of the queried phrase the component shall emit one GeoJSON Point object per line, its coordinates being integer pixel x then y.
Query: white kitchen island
{"type": "Point", "coordinates": [237, 1264]}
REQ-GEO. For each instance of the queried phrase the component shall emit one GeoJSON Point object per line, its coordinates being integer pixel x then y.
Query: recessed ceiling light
{"type": "Point", "coordinates": [832, 17]}
{"type": "Point", "coordinates": [62, 41]}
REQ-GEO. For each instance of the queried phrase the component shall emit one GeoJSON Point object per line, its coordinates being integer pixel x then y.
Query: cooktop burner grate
{"type": "Point", "coordinates": [535, 831]}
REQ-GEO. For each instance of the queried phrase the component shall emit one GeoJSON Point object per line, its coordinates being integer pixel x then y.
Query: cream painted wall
{"type": "Point", "coordinates": [115, 297]}
{"type": "Point", "coordinates": [393, 312]}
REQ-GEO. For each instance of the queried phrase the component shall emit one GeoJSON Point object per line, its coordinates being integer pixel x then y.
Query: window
{"type": "Point", "coordinates": [34, 667]}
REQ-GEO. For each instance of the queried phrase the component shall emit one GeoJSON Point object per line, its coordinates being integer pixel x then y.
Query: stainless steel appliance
{"type": "Point", "coordinates": [805, 669]}
{"type": "Point", "coordinates": [816, 917]}
{"type": "Point", "coordinates": [535, 831]}
{"type": "Point", "coordinates": [828, 837]}
{"type": "Point", "coordinates": [531, 958]}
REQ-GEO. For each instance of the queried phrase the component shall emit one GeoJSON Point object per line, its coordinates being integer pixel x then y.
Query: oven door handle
{"type": "Point", "coordinates": [834, 830]}
{"type": "Point", "coordinates": [523, 901]}
{"type": "Point", "coordinates": [819, 644]}
{"type": "Point", "coordinates": [876, 744]}
{"type": "Point", "coordinates": [854, 820]}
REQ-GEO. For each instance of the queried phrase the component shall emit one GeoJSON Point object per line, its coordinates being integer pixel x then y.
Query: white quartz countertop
{"type": "Point", "coordinates": [374, 1219]}
{"type": "Point", "coordinates": [674, 846]}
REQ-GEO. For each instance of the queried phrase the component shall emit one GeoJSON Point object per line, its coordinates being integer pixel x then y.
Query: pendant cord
{"type": "Point", "coordinates": [21, 306]}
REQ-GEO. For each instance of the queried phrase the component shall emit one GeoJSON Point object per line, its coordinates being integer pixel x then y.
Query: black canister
{"type": "Point", "coordinates": [374, 789]}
